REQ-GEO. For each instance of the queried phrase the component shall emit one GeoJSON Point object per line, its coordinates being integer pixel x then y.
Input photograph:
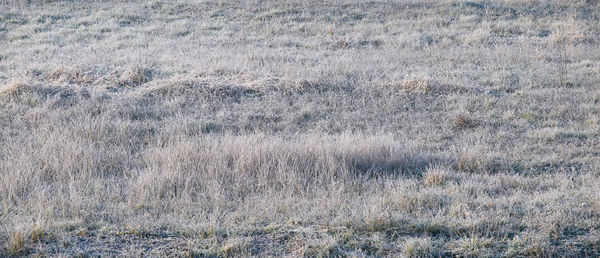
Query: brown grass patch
{"type": "Point", "coordinates": [135, 75]}
{"type": "Point", "coordinates": [417, 84]}
{"type": "Point", "coordinates": [421, 84]}
{"type": "Point", "coordinates": [16, 243]}
{"type": "Point", "coordinates": [435, 176]}
{"type": "Point", "coordinates": [464, 121]}
{"type": "Point", "coordinates": [37, 234]}
{"type": "Point", "coordinates": [12, 88]}
{"type": "Point", "coordinates": [71, 76]}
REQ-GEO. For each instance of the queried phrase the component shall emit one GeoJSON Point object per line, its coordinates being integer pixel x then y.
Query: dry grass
{"type": "Point", "coordinates": [12, 88]}
{"type": "Point", "coordinates": [436, 176]}
{"type": "Point", "coordinates": [135, 76]}
{"type": "Point", "coordinates": [36, 234]}
{"type": "Point", "coordinates": [472, 247]}
{"type": "Point", "coordinates": [418, 84]}
{"type": "Point", "coordinates": [16, 244]}
{"type": "Point", "coordinates": [464, 121]}
{"type": "Point", "coordinates": [420, 247]}
{"type": "Point", "coordinates": [294, 128]}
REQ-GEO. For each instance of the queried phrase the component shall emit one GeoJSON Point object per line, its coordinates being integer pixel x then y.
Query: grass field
{"type": "Point", "coordinates": [300, 128]}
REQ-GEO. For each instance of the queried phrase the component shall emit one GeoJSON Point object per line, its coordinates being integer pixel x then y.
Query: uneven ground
{"type": "Point", "coordinates": [316, 128]}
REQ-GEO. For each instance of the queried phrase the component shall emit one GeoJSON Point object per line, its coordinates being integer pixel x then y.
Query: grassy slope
{"type": "Point", "coordinates": [410, 128]}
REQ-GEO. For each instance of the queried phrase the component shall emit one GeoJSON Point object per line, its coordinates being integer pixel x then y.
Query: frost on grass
{"type": "Point", "coordinates": [417, 129]}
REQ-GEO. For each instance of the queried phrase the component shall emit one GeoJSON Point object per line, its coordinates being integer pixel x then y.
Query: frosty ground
{"type": "Point", "coordinates": [300, 128]}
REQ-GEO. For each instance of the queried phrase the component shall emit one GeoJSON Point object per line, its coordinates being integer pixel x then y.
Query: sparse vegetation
{"type": "Point", "coordinates": [295, 128]}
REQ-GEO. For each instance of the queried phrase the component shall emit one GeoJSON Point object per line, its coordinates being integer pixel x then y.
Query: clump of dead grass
{"type": "Point", "coordinates": [233, 247]}
{"type": "Point", "coordinates": [135, 75]}
{"type": "Point", "coordinates": [418, 84]}
{"type": "Point", "coordinates": [37, 233]}
{"type": "Point", "coordinates": [420, 247]}
{"type": "Point", "coordinates": [12, 88]}
{"type": "Point", "coordinates": [436, 176]}
{"type": "Point", "coordinates": [16, 243]}
{"type": "Point", "coordinates": [472, 247]}
{"type": "Point", "coordinates": [464, 121]}
{"type": "Point", "coordinates": [566, 31]}
{"type": "Point", "coordinates": [469, 158]}
{"type": "Point", "coordinates": [74, 76]}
